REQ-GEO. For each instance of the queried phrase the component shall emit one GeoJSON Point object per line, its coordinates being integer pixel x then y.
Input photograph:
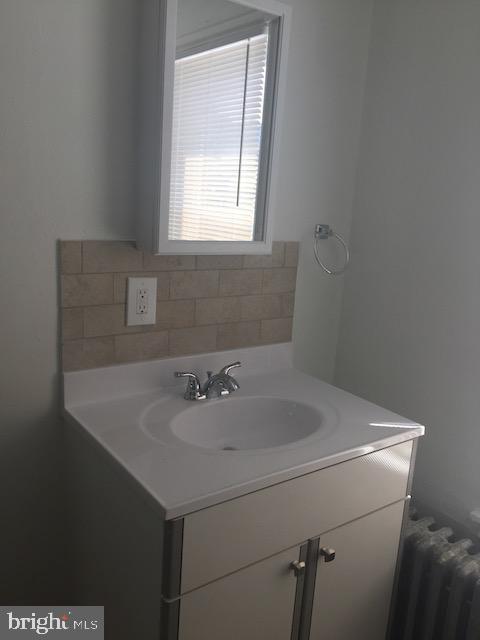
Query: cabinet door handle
{"type": "Point", "coordinates": [298, 567]}
{"type": "Point", "coordinates": [327, 554]}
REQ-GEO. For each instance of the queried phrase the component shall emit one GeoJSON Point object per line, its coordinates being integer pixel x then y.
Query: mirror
{"type": "Point", "coordinates": [221, 117]}
{"type": "Point", "coordinates": [223, 68]}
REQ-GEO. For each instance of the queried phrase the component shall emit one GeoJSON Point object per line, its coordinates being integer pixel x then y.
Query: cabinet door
{"type": "Point", "coordinates": [255, 603]}
{"type": "Point", "coordinates": [353, 592]}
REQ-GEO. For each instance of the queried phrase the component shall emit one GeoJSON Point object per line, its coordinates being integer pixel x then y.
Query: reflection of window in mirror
{"type": "Point", "coordinates": [210, 106]}
{"type": "Point", "coordinates": [222, 112]}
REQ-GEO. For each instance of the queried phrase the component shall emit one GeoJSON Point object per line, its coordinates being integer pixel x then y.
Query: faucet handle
{"type": "Point", "coordinates": [193, 391]}
{"type": "Point", "coordinates": [186, 374]}
{"type": "Point", "coordinates": [226, 370]}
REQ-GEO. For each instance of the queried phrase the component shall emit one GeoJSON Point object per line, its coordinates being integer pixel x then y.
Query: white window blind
{"type": "Point", "coordinates": [217, 125]}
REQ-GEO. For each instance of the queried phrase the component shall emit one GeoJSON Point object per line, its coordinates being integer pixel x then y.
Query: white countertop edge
{"type": "Point", "coordinates": [104, 448]}
{"type": "Point", "coordinates": [182, 509]}
{"type": "Point", "coordinates": [230, 493]}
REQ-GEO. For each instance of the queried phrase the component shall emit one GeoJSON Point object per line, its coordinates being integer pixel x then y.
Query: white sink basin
{"type": "Point", "coordinates": [235, 424]}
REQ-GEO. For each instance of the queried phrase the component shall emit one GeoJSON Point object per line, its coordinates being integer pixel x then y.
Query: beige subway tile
{"type": "Point", "coordinates": [291, 254]}
{"type": "Point", "coordinates": [141, 346]}
{"type": "Point", "coordinates": [167, 263]}
{"type": "Point", "coordinates": [193, 284]}
{"type": "Point", "coordinates": [219, 262]}
{"type": "Point", "coordinates": [120, 284]}
{"type": "Point", "coordinates": [83, 290]}
{"type": "Point", "coordinates": [279, 280]}
{"type": "Point", "coordinates": [72, 323]}
{"type": "Point", "coordinates": [172, 314]}
{"type": "Point", "coordinates": [241, 282]}
{"type": "Point", "coordinates": [277, 330]}
{"type": "Point", "coordinates": [70, 256]}
{"type": "Point", "coordinates": [107, 320]}
{"type": "Point", "coordinates": [217, 310]}
{"type": "Point", "coordinates": [87, 354]}
{"type": "Point", "coordinates": [261, 306]}
{"type": "Point", "coordinates": [275, 259]}
{"type": "Point", "coordinates": [193, 340]}
{"type": "Point", "coordinates": [288, 304]}
{"type": "Point", "coordinates": [107, 257]}
{"type": "Point", "coordinates": [238, 334]}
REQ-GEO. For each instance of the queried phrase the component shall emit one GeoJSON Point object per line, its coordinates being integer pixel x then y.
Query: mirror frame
{"type": "Point", "coordinates": [157, 69]}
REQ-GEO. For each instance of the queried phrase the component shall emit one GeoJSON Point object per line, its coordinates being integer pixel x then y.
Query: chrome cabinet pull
{"type": "Point", "coordinates": [298, 567]}
{"type": "Point", "coordinates": [327, 554]}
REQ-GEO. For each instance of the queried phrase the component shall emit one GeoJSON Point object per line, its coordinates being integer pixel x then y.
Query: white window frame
{"type": "Point", "coordinates": [157, 221]}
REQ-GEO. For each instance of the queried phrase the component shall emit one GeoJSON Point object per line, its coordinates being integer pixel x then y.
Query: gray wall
{"type": "Point", "coordinates": [66, 160]}
{"type": "Point", "coordinates": [322, 117]}
{"type": "Point", "coordinates": [67, 71]}
{"type": "Point", "coordinates": [410, 325]}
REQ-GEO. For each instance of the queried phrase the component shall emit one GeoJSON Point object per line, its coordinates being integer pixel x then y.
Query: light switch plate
{"type": "Point", "coordinates": [141, 301]}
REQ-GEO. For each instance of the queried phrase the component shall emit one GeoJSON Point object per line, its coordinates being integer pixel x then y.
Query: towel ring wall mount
{"type": "Point", "coordinates": [323, 232]}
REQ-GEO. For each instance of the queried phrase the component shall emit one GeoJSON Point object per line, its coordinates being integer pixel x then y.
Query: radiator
{"type": "Point", "coordinates": [439, 585]}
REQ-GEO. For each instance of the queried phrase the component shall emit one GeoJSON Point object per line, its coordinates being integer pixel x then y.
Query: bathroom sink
{"type": "Point", "coordinates": [248, 423]}
{"type": "Point", "coordinates": [189, 455]}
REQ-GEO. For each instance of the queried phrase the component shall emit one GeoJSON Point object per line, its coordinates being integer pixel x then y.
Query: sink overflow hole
{"type": "Point", "coordinates": [229, 449]}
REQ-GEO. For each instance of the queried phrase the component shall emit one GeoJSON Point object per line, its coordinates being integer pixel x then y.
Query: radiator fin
{"type": "Point", "coordinates": [473, 631]}
{"type": "Point", "coordinates": [439, 585]}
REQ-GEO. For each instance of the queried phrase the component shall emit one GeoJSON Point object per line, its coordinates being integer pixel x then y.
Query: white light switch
{"type": "Point", "coordinates": [141, 301]}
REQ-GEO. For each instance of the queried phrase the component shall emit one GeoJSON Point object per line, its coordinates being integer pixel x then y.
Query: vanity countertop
{"type": "Point", "coordinates": [116, 405]}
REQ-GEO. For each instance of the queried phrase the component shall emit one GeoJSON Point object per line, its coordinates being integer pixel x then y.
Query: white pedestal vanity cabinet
{"type": "Point", "coordinates": [182, 541]}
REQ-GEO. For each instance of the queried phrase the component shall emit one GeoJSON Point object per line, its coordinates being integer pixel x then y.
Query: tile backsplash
{"type": "Point", "coordinates": [204, 303]}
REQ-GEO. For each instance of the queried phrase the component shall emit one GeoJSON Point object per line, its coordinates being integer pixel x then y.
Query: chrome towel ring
{"type": "Point", "coordinates": [323, 232]}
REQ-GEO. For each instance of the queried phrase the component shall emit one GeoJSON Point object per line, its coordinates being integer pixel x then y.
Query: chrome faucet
{"type": "Point", "coordinates": [220, 384]}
